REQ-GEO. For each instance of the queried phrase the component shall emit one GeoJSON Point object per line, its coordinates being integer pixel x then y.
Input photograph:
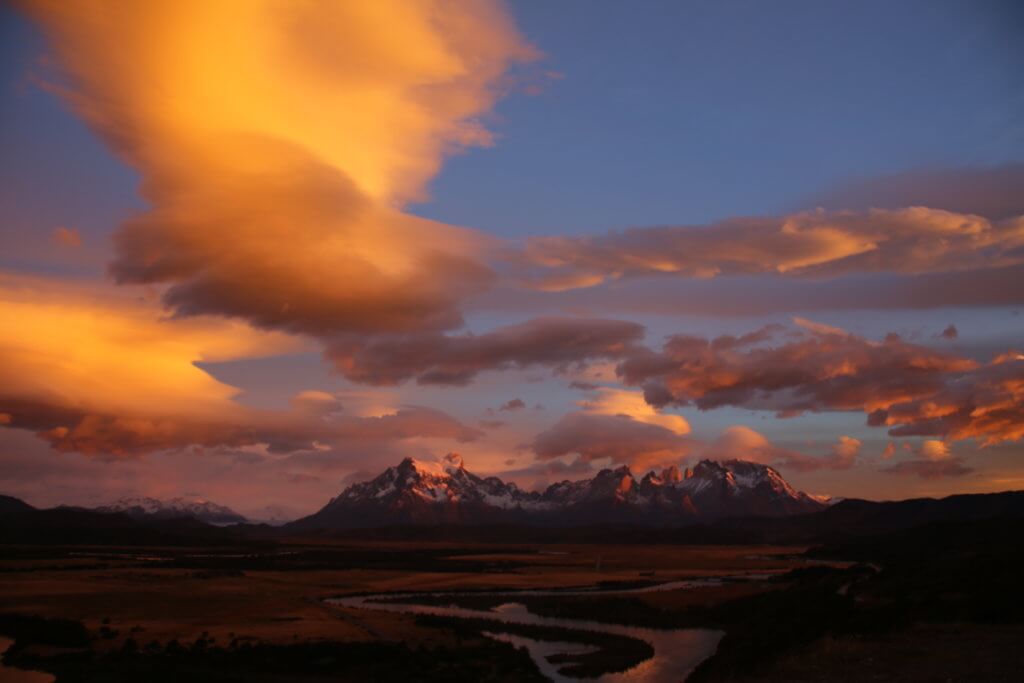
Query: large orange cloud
{"type": "Point", "coordinates": [912, 240]}
{"type": "Point", "coordinates": [276, 140]}
{"type": "Point", "coordinates": [109, 375]}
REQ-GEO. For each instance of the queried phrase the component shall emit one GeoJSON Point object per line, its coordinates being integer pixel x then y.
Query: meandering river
{"type": "Point", "coordinates": [676, 651]}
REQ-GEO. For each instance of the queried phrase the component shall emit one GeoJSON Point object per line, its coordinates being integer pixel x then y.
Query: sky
{"type": "Point", "coordinates": [256, 251]}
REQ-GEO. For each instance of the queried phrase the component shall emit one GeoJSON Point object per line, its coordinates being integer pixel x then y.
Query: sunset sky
{"type": "Point", "coordinates": [255, 251]}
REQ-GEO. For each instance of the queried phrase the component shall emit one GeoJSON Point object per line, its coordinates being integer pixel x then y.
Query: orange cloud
{"type": "Point", "coordinates": [912, 240]}
{"type": "Point", "coordinates": [609, 401]}
{"type": "Point", "coordinates": [933, 449]}
{"type": "Point", "coordinates": [986, 405]}
{"type": "Point", "coordinates": [889, 451]}
{"type": "Point", "coordinates": [109, 375]}
{"type": "Point", "coordinates": [79, 345]}
{"type": "Point", "coordinates": [275, 142]}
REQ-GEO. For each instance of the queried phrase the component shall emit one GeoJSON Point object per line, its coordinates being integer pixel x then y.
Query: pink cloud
{"type": "Point", "coordinates": [618, 438]}
{"type": "Point", "coordinates": [747, 444]}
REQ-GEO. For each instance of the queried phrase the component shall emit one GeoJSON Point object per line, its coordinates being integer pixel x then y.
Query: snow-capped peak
{"type": "Point", "coordinates": [450, 465]}
{"type": "Point", "coordinates": [414, 481]}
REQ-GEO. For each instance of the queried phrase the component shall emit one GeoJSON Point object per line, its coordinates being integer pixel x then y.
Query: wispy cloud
{"type": "Point", "coordinates": [819, 244]}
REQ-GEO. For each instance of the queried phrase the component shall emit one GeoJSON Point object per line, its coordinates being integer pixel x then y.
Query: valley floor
{"type": "Point", "coordinates": [258, 613]}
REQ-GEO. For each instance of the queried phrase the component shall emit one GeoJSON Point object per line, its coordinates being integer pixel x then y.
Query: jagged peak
{"type": "Point", "coordinates": [669, 476]}
{"type": "Point", "coordinates": [620, 471]}
{"type": "Point", "coordinates": [451, 464]}
{"type": "Point", "coordinates": [416, 466]}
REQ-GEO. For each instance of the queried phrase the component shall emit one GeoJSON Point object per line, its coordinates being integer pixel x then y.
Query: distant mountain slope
{"type": "Point", "coordinates": [423, 493]}
{"type": "Point", "coordinates": [11, 505]}
{"type": "Point", "coordinates": [856, 518]}
{"type": "Point", "coordinates": [202, 510]}
{"type": "Point", "coordinates": [77, 526]}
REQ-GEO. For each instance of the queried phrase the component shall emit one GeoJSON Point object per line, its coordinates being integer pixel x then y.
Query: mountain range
{"type": "Point", "coordinates": [427, 493]}
{"type": "Point", "coordinates": [195, 508]}
{"type": "Point", "coordinates": [836, 522]}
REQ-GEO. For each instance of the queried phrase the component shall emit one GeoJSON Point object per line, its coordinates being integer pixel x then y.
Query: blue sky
{"type": "Point", "coordinates": [677, 113]}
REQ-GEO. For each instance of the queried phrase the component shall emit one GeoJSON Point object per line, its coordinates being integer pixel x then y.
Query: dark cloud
{"type": "Point", "coordinates": [558, 343]}
{"type": "Point", "coordinates": [513, 404]}
{"type": "Point", "coordinates": [790, 371]}
{"type": "Point", "coordinates": [929, 469]}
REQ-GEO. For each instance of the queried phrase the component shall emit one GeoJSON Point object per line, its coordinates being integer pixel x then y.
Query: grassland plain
{"type": "Point", "coordinates": [259, 613]}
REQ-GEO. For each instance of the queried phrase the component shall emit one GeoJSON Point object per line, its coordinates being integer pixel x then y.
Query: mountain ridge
{"type": "Point", "coordinates": [428, 493]}
{"type": "Point", "coordinates": [21, 523]}
{"type": "Point", "coordinates": [154, 508]}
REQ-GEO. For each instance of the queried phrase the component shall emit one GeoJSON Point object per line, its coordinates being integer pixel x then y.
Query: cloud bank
{"type": "Point", "coordinates": [433, 358]}
{"type": "Point", "coordinates": [914, 240]}
{"type": "Point", "coordinates": [912, 389]}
